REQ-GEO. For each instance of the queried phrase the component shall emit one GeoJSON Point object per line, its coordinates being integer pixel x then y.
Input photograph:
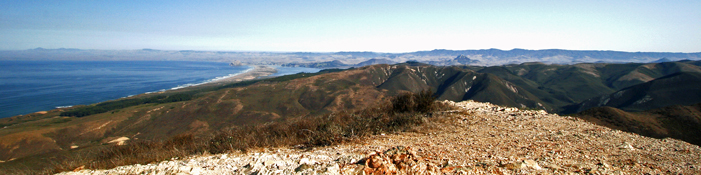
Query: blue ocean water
{"type": "Point", "coordinates": [30, 86]}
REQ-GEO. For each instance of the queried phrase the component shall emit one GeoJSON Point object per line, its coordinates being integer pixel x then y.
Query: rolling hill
{"type": "Point", "coordinates": [681, 88]}
{"type": "Point", "coordinates": [206, 109]}
{"type": "Point", "coordinates": [561, 85]}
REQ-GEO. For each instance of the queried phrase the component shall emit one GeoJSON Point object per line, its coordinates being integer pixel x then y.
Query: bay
{"type": "Point", "coordinates": [31, 86]}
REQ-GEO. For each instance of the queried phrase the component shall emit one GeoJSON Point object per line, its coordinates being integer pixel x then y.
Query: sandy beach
{"type": "Point", "coordinates": [258, 71]}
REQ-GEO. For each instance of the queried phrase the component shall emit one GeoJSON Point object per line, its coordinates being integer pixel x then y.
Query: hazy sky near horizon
{"type": "Point", "coordinates": [328, 26]}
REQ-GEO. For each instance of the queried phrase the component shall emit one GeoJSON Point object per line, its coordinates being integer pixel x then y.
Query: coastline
{"type": "Point", "coordinates": [257, 72]}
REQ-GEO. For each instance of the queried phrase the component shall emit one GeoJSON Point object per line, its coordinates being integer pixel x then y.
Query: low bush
{"type": "Point", "coordinates": [422, 102]}
{"type": "Point", "coordinates": [399, 114]}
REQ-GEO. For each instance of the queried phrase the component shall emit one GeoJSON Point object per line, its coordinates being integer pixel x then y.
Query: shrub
{"type": "Point", "coordinates": [423, 102]}
{"type": "Point", "coordinates": [399, 114]}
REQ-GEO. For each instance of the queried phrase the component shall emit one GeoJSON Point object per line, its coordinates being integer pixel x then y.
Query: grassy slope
{"type": "Point", "coordinates": [399, 114]}
{"type": "Point", "coordinates": [214, 108]}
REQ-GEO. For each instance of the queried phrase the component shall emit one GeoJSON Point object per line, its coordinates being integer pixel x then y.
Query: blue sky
{"type": "Point", "coordinates": [327, 26]}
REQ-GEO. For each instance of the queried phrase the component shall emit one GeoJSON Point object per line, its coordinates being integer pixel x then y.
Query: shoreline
{"type": "Point", "coordinates": [257, 72]}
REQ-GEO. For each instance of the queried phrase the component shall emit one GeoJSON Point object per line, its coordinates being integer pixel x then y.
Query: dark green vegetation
{"type": "Point", "coordinates": [682, 88]}
{"type": "Point", "coordinates": [121, 104]}
{"type": "Point", "coordinates": [401, 114]}
{"type": "Point", "coordinates": [172, 96]}
{"type": "Point", "coordinates": [558, 86]}
{"type": "Point", "coordinates": [258, 107]}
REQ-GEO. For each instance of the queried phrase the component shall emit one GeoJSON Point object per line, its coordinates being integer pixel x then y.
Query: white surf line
{"type": "Point", "coordinates": [205, 82]}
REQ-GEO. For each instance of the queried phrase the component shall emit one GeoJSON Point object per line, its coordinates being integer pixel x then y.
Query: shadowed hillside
{"type": "Point", "coordinates": [680, 122]}
{"type": "Point", "coordinates": [682, 88]}
{"type": "Point", "coordinates": [562, 85]}
{"type": "Point", "coordinates": [456, 84]}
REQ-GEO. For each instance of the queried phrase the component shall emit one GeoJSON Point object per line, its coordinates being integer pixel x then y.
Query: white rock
{"type": "Point", "coordinates": [333, 169]}
{"type": "Point", "coordinates": [532, 164]}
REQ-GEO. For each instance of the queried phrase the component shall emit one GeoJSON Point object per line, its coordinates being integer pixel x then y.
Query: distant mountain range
{"type": "Point", "coordinates": [485, 57]}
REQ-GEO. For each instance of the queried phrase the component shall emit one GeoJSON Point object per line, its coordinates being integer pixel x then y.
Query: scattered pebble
{"type": "Point", "coordinates": [480, 138]}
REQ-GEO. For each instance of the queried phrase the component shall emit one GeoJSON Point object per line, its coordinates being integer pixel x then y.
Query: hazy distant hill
{"type": "Point", "coordinates": [327, 64]}
{"type": "Point", "coordinates": [374, 61]}
{"type": "Point", "coordinates": [485, 57]}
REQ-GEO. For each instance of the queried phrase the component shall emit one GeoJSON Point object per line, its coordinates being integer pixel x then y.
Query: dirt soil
{"type": "Point", "coordinates": [479, 138]}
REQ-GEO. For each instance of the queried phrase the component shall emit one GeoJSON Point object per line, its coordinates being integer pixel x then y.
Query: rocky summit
{"type": "Point", "coordinates": [478, 138]}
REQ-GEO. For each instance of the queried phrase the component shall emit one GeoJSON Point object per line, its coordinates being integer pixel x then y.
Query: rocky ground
{"type": "Point", "coordinates": [480, 138]}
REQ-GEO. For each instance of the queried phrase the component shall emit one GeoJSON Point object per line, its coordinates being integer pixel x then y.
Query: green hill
{"type": "Point", "coordinates": [563, 85]}
{"type": "Point", "coordinates": [682, 88]}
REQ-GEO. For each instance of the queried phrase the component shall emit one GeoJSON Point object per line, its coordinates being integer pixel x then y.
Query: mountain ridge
{"type": "Point", "coordinates": [483, 57]}
{"type": "Point", "coordinates": [657, 93]}
{"type": "Point", "coordinates": [202, 110]}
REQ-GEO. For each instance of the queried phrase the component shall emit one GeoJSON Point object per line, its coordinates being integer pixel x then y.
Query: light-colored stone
{"type": "Point", "coordinates": [477, 138]}
{"type": "Point", "coordinates": [532, 164]}
{"type": "Point", "coordinates": [119, 141]}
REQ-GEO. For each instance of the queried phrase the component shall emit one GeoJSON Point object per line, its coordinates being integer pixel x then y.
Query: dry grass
{"type": "Point", "coordinates": [400, 114]}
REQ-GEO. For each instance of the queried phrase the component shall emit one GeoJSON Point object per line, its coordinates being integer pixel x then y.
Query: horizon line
{"type": "Point", "coordinates": [262, 51]}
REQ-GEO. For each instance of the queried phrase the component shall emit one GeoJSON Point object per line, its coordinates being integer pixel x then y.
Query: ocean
{"type": "Point", "coordinates": [31, 86]}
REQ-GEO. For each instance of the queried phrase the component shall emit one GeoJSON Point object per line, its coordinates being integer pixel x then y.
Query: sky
{"type": "Point", "coordinates": [330, 26]}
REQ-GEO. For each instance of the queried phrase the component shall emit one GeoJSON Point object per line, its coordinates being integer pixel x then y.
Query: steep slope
{"type": "Point", "coordinates": [679, 122]}
{"type": "Point", "coordinates": [683, 88]}
{"type": "Point", "coordinates": [456, 84]}
{"type": "Point", "coordinates": [562, 85]}
{"type": "Point", "coordinates": [697, 63]}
